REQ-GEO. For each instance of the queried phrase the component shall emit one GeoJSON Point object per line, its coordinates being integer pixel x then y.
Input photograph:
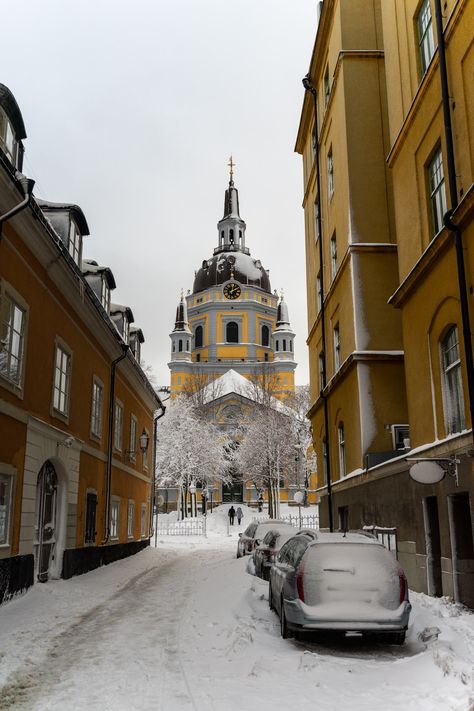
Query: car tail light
{"type": "Point", "coordinates": [299, 583]}
{"type": "Point", "coordinates": [403, 587]}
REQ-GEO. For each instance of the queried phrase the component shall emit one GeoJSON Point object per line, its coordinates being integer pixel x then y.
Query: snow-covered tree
{"type": "Point", "coordinates": [189, 450]}
{"type": "Point", "coordinates": [299, 403]}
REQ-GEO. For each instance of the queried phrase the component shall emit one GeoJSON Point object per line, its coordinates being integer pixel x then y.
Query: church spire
{"type": "Point", "coordinates": [231, 229]}
{"type": "Point", "coordinates": [181, 323]}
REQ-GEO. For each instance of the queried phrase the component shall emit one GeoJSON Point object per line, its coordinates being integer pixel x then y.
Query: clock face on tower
{"type": "Point", "coordinates": [232, 290]}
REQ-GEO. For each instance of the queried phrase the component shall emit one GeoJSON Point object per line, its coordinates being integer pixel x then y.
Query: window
{"type": "Point", "coordinates": [12, 332]}
{"type": "Point", "coordinates": [291, 346]}
{"type": "Point", "coordinates": [198, 337]}
{"type": "Point", "coordinates": [265, 336]}
{"type": "Point", "coordinates": [5, 507]}
{"type": "Point", "coordinates": [118, 425]}
{"type": "Point", "coordinates": [277, 345]}
{"type": "Point", "coordinates": [327, 86]}
{"type": "Point", "coordinates": [316, 219]}
{"type": "Point", "coordinates": [231, 236]}
{"type": "Point", "coordinates": [330, 174]}
{"type": "Point", "coordinates": [125, 330]}
{"type": "Point", "coordinates": [114, 517]}
{"type": "Point", "coordinates": [74, 242]}
{"type": "Point", "coordinates": [453, 399]}
{"type": "Point", "coordinates": [337, 348]}
{"type": "Point", "coordinates": [91, 517]}
{"type": "Point", "coordinates": [319, 292]}
{"type": "Point", "coordinates": [343, 513]}
{"type": "Point", "coordinates": [180, 346]}
{"type": "Point", "coordinates": [425, 35]}
{"type": "Point", "coordinates": [105, 294]}
{"type": "Point", "coordinates": [143, 527]}
{"type": "Point", "coordinates": [342, 450]}
{"type": "Point", "coordinates": [284, 344]}
{"type": "Point", "coordinates": [62, 380]}
{"type": "Point", "coordinates": [96, 409]}
{"type": "Point", "coordinates": [322, 379]}
{"type": "Point", "coordinates": [265, 357]}
{"type": "Point", "coordinates": [232, 332]}
{"type": "Point", "coordinates": [198, 357]}
{"type": "Point", "coordinates": [130, 517]}
{"type": "Point", "coordinates": [325, 461]}
{"type": "Point", "coordinates": [187, 344]}
{"type": "Point", "coordinates": [333, 255]}
{"type": "Point", "coordinates": [437, 190]}
{"type": "Point", "coordinates": [8, 142]}
{"type": "Point", "coordinates": [133, 438]}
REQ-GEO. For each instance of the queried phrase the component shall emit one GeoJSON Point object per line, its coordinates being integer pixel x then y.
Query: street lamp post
{"type": "Point", "coordinates": [192, 491]}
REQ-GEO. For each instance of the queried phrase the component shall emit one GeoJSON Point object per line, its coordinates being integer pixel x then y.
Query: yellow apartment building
{"type": "Point", "coordinates": [76, 410]}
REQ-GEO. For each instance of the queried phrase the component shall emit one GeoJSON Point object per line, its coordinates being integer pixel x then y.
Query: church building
{"type": "Point", "coordinates": [232, 319]}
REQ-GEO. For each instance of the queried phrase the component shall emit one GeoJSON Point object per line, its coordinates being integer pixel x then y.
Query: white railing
{"type": "Point", "coordinates": [186, 527]}
{"type": "Point", "coordinates": [303, 521]}
{"type": "Point", "coordinates": [386, 536]}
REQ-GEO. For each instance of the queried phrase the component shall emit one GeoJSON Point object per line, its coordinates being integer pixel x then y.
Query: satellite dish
{"type": "Point", "coordinates": [298, 497]}
{"type": "Point", "coordinates": [427, 472]}
{"type": "Point", "coordinates": [160, 500]}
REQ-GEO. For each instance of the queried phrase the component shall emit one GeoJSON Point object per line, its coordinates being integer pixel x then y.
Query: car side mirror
{"type": "Point", "coordinates": [240, 535]}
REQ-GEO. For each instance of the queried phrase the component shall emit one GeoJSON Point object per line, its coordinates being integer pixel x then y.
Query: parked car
{"type": "Point", "coordinates": [336, 581]}
{"type": "Point", "coordinates": [265, 553]}
{"type": "Point", "coordinates": [255, 533]}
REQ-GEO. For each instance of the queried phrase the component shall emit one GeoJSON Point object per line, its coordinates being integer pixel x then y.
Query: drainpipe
{"type": "Point", "coordinates": [108, 474]}
{"type": "Point", "coordinates": [27, 185]}
{"type": "Point", "coordinates": [449, 224]}
{"type": "Point", "coordinates": [309, 87]}
{"type": "Point", "coordinates": [152, 493]}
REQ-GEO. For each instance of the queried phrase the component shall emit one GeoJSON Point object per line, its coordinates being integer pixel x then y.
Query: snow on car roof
{"type": "Point", "coordinates": [340, 537]}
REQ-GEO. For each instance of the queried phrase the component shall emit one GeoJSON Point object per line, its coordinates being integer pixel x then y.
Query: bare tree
{"type": "Point", "coordinates": [202, 388]}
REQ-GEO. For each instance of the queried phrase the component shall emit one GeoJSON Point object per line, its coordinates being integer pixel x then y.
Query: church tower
{"type": "Point", "coordinates": [231, 320]}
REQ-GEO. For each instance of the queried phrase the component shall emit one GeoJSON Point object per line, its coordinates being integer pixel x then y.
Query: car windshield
{"type": "Point", "coordinates": [263, 529]}
{"type": "Point", "coordinates": [334, 572]}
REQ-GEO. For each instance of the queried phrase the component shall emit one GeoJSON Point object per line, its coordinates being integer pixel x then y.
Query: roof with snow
{"type": "Point", "coordinates": [234, 383]}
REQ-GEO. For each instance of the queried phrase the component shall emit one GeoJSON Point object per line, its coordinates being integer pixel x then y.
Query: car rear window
{"type": "Point", "coordinates": [335, 571]}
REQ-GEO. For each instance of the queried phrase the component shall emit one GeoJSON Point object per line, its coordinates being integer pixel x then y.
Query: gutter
{"type": "Point", "coordinates": [27, 185]}
{"type": "Point", "coordinates": [447, 219]}
{"type": "Point", "coordinates": [153, 480]}
{"type": "Point", "coordinates": [310, 88]}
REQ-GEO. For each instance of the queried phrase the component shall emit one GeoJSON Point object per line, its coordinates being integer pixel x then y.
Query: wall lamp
{"type": "Point", "coordinates": [144, 441]}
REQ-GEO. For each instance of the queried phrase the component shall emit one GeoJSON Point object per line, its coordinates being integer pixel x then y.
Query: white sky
{"type": "Point", "coordinates": [132, 111]}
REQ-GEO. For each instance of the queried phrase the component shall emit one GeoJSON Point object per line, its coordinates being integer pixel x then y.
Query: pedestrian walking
{"type": "Point", "coordinates": [240, 514]}
{"type": "Point", "coordinates": [231, 515]}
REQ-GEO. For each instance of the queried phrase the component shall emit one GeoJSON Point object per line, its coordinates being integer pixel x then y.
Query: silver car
{"type": "Point", "coordinates": [336, 581]}
{"type": "Point", "coordinates": [254, 534]}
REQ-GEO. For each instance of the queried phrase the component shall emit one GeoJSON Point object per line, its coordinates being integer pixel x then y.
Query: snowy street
{"type": "Point", "coordinates": [183, 626]}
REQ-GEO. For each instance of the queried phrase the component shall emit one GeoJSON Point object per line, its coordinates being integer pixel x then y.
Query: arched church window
{"type": "Point", "coordinates": [232, 332]}
{"type": "Point", "coordinates": [231, 236]}
{"type": "Point", "coordinates": [284, 344]}
{"type": "Point", "coordinates": [240, 234]}
{"type": "Point", "coordinates": [277, 345]}
{"type": "Point", "coordinates": [187, 345]}
{"type": "Point", "coordinates": [180, 346]}
{"type": "Point", "coordinates": [198, 337]}
{"type": "Point", "coordinates": [265, 335]}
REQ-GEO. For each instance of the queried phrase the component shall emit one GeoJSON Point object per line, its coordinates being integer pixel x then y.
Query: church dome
{"type": "Point", "coordinates": [225, 266]}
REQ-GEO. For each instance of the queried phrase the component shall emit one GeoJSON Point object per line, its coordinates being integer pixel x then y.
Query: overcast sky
{"type": "Point", "coordinates": [132, 110]}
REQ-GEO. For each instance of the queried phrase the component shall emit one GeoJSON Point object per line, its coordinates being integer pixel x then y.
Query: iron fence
{"type": "Point", "coordinates": [303, 521]}
{"type": "Point", "coordinates": [186, 527]}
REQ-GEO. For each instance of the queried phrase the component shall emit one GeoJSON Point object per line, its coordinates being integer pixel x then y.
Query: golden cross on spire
{"type": "Point", "coordinates": [231, 165]}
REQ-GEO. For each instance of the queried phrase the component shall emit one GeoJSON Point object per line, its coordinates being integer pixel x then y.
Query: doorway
{"type": "Point", "coordinates": [46, 519]}
{"type": "Point", "coordinates": [433, 546]}
{"type": "Point", "coordinates": [233, 491]}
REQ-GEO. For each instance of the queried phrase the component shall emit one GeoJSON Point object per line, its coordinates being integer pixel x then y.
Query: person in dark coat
{"type": "Point", "coordinates": [240, 514]}
{"type": "Point", "coordinates": [231, 515]}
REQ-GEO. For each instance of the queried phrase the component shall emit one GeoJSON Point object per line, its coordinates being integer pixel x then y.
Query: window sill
{"type": "Point", "coordinates": [11, 386]}
{"type": "Point", "coordinates": [63, 417]}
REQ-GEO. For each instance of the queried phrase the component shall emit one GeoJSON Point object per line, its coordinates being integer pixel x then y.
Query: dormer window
{"type": "Point", "coordinates": [126, 330]}
{"type": "Point", "coordinates": [105, 295]}
{"type": "Point", "coordinates": [8, 142]}
{"type": "Point", "coordinates": [74, 243]}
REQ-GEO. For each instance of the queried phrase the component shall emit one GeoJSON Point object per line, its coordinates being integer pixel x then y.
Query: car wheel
{"type": "Point", "coordinates": [239, 554]}
{"type": "Point", "coordinates": [285, 632]}
{"type": "Point", "coordinates": [270, 597]}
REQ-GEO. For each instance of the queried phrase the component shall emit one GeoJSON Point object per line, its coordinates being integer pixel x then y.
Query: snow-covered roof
{"type": "Point", "coordinates": [234, 383]}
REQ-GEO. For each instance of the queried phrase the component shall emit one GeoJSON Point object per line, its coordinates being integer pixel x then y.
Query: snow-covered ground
{"type": "Point", "coordinates": [183, 626]}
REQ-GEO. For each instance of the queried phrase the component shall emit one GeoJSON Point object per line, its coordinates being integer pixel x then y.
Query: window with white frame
{"type": "Point", "coordinates": [96, 407]}
{"type": "Point", "coordinates": [105, 294]}
{"type": "Point", "coordinates": [6, 486]}
{"type": "Point", "coordinates": [130, 518]}
{"type": "Point", "coordinates": [114, 517]}
{"type": "Point", "coordinates": [333, 255]}
{"type": "Point", "coordinates": [8, 141]}
{"type": "Point", "coordinates": [327, 86]}
{"type": "Point", "coordinates": [322, 379]}
{"type": "Point", "coordinates": [330, 167]}
{"type": "Point", "coordinates": [319, 292]}
{"type": "Point", "coordinates": [342, 450]}
{"type": "Point", "coordinates": [62, 380]}
{"type": "Point", "coordinates": [125, 330]}
{"type": "Point", "coordinates": [143, 519]}
{"type": "Point", "coordinates": [453, 399]}
{"type": "Point", "coordinates": [118, 425]}
{"type": "Point", "coordinates": [337, 347]}
{"type": "Point", "coordinates": [426, 46]}
{"type": "Point", "coordinates": [437, 190]}
{"type": "Point", "coordinates": [75, 242]}
{"type": "Point", "coordinates": [12, 334]}
{"type": "Point", "coordinates": [133, 438]}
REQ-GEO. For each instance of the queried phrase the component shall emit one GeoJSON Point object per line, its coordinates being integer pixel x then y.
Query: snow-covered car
{"type": "Point", "coordinates": [265, 553]}
{"type": "Point", "coordinates": [255, 533]}
{"type": "Point", "coordinates": [337, 581]}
